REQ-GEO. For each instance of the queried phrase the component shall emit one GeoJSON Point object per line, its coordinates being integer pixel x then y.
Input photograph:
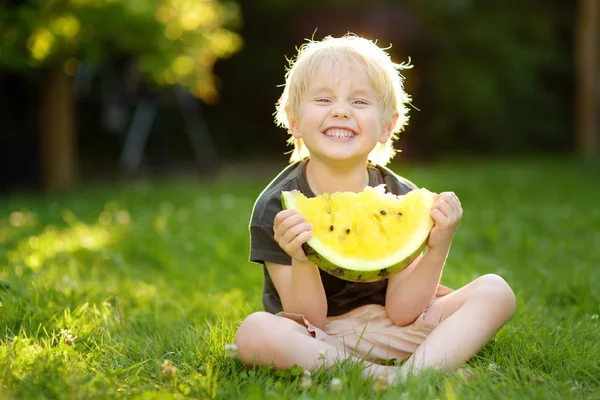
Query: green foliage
{"type": "Point", "coordinates": [134, 292]}
{"type": "Point", "coordinates": [494, 76]}
{"type": "Point", "coordinates": [488, 76]}
{"type": "Point", "coordinates": [173, 41]}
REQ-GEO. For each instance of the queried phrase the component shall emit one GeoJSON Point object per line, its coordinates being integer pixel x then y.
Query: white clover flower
{"type": "Point", "coordinates": [322, 355]}
{"type": "Point", "coordinates": [305, 383]}
{"type": "Point", "coordinates": [306, 373]}
{"type": "Point", "coordinates": [493, 367]}
{"type": "Point", "coordinates": [167, 368]}
{"type": "Point", "coordinates": [595, 316]}
{"type": "Point", "coordinates": [231, 350]}
{"type": "Point", "coordinates": [68, 337]}
{"type": "Point", "coordinates": [381, 384]}
{"type": "Point", "coordinates": [336, 384]}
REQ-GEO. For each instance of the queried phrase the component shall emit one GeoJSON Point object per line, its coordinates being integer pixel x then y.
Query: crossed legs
{"type": "Point", "coordinates": [468, 319]}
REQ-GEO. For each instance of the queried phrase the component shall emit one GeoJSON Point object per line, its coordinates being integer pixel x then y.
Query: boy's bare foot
{"type": "Point", "coordinates": [464, 373]}
{"type": "Point", "coordinates": [386, 376]}
{"type": "Point", "coordinates": [383, 375]}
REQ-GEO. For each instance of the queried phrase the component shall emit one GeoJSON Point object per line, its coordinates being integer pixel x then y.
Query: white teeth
{"type": "Point", "coordinates": [339, 133]}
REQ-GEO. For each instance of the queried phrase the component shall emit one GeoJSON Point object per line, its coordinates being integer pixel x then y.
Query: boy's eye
{"type": "Point", "coordinates": [361, 102]}
{"type": "Point", "coordinates": [322, 100]}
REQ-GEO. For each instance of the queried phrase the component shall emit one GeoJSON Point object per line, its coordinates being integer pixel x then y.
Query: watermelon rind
{"type": "Point", "coordinates": [366, 270]}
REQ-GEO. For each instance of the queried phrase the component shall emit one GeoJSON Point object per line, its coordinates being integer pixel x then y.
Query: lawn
{"type": "Point", "coordinates": [134, 291]}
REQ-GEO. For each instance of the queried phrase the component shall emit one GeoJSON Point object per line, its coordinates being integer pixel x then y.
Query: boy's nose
{"type": "Point", "coordinates": [340, 112]}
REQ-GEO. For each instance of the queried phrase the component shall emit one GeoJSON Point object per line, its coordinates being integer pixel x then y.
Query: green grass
{"type": "Point", "coordinates": [147, 273]}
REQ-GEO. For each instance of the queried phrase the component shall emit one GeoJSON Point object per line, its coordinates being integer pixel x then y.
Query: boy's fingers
{"type": "Point", "coordinates": [437, 215]}
{"type": "Point", "coordinates": [282, 215]}
{"type": "Point", "coordinates": [445, 207]}
{"type": "Point", "coordinates": [288, 221]}
{"type": "Point", "coordinates": [299, 241]}
{"type": "Point", "coordinates": [451, 198]}
{"type": "Point", "coordinates": [290, 235]}
{"type": "Point", "coordinates": [282, 231]}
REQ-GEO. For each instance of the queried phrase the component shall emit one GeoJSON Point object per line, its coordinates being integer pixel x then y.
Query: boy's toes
{"type": "Point", "coordinates": [464, 373]}
{"type": "Point", "coordinates": [382, 383]}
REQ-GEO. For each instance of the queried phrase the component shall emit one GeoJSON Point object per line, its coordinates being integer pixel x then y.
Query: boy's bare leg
{"type": "Point", "coordinates": [264, 339]}
{"type": "Point", "coordinates": [469, 317]}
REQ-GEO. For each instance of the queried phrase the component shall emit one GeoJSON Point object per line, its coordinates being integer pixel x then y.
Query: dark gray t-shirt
{"type": "Point", "coordinates": [342, 296]}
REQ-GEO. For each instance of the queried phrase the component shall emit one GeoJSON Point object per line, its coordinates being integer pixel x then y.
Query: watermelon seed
{"type": "Point", "coordinates": [382, 212]}
{"type": "Point", "coordinates": [331, 227]}
{"type": "Point", "coordinates": [348, 230]}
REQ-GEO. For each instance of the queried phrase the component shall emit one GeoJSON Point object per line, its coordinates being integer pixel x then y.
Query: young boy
{"type": "Point", "coordinates": [343, 105]}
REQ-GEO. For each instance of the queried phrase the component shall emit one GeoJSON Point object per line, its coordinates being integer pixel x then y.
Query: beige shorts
{"type": "Point", "coordinates": [369, 333]}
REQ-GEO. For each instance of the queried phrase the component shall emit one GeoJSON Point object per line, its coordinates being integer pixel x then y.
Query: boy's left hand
{"type": "Point", "coordinates": [446, 212]}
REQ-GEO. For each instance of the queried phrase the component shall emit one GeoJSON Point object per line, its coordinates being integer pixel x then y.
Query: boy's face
{"type": "Point", "coordinates": [339, 117]}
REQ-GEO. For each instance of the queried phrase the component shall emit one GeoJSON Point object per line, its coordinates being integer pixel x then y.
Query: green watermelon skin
{"type": "Point", "coordinates": [359, 276]}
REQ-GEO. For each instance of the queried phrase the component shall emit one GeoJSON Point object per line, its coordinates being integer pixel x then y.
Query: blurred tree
{"type": "Point", "coordinates": [489, 77]}
{"type": "Point", "coordinates": [588, 64]}
{"type": "Point", "coordinates": [495, 77]}
{"type": "Point", "coordinates": [174, 42]}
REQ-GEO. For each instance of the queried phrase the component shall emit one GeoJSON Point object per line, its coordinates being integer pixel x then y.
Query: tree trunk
{"type": "Point", "coordinates": [588, 91]}
{"type": "Point", "coordinates": [58, 147]}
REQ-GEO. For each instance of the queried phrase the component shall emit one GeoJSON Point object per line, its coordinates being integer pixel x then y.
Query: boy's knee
{"type": "Point", "coordinates": [251, 331]}
{"type": "Point", "coordinates": [256, 335]}
{"type": "Point", "coordinates": [496, 289]}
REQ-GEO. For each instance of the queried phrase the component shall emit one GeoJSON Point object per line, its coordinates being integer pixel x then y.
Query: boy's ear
{"type": "Point", "coordinates": [293, 123]}
{"type": "Point", "coordinates": [387, 129]}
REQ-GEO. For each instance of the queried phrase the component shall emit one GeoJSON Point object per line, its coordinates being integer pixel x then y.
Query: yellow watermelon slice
{"type": "Point", "coordinates": [366, 236]}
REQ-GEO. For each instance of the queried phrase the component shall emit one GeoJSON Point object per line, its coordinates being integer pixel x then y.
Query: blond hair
{"type": "Point", "coordinates": [381, 71]}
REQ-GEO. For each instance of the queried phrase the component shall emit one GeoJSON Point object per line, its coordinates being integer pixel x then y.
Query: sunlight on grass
{"type": "Point", "coordinates": [137, 292]}
{"type": "Point", "coordinates": [84, 321]}
{"type": "Point", "coordinates": [34, 251]}
{"type": "Point", "coordinates": [17, 221]}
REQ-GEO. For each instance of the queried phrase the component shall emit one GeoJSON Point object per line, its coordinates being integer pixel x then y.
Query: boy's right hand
{"type": "Point", "coordinates": [291, 232]}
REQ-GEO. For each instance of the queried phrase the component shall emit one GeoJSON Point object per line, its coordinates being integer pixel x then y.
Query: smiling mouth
{"type": "Point", "coordinates": [338, 133]}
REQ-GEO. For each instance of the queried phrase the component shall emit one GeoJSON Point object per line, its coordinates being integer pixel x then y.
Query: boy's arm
{"type": "Point", "coordinates": [300, 289]}
{"type": "Point", "coordinates": [409, 292]}
{"type": "Point", "coordinates": [299, 286]}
